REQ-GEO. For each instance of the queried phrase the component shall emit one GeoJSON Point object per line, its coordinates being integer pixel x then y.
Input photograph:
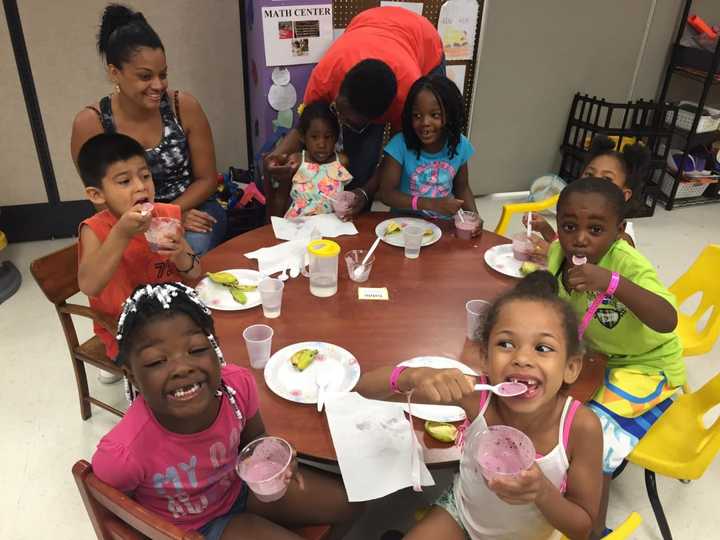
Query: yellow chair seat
{"type": "Point", "coordinates": [3, 240]}
{"type": "Point", "coordinates": [624, 530]}
{"type": "Point", "coordinates": [678, 444]}
{"type": "Point", "coordinates": [510, 209]}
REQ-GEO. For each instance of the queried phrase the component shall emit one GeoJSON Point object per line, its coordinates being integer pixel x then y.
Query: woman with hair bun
{"type": "Point", "coordinates": [170, 125]}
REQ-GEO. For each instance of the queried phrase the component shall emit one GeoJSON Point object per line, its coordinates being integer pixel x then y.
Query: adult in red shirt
{"type": "Point", "coordinates": [365, 76]}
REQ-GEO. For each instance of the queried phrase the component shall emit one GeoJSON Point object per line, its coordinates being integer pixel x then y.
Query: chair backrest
{"type": "Point", "coordinates": [56, 274]}
{"type": "Point", "coordinates": [115, 516]}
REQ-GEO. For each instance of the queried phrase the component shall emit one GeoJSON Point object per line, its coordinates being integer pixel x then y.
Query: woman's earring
{"type": "Point", "coordinates": [117, 88]}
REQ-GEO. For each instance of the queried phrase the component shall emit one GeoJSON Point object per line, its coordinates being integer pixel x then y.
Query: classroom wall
{"type": "Point", "coordinates": [534, 56]}
{"type": "Point", "coordinates": [202, 42]}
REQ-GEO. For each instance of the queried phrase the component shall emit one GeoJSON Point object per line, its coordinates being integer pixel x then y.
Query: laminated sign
{"type": "Point", "coordinates": [296, 34]}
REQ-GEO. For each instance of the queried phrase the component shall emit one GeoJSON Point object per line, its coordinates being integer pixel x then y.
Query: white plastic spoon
{"type": "Point", "coordinates": [322, 379]}
{"type": "Point", "coordinates": [360, 269]}
{"type": "Point", "coordinates": [504, 389]}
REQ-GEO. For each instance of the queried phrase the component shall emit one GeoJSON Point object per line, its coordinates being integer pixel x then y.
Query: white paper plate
{"type": "Point", "coordinates": [500, 258]}
{"type": "Point", "coordinates": [397, 239]}
{"type": "Point", "coordinates": [218, 296]}
{"type": "Point", "coordinates": [438, 413]}
{"type": "Point", "coordinates": [299, 386]}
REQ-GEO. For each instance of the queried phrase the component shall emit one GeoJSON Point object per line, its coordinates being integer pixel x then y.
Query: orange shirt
{"type": "Point", "coordinates": [405, 41]}
{"type": "Point", "coordinates": [139, 265]}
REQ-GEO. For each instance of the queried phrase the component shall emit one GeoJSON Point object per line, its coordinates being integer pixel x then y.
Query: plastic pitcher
{"type": "Point", "coordinates": [323, 267]}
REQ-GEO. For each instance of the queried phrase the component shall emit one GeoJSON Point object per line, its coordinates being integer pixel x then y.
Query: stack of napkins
{"type": "Point", "coordinates": [376, 448]}
{"type": "Point", "coordinates": [281, 257]}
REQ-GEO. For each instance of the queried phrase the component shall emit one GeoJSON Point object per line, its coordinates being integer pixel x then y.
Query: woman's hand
{"type": "Point", "coordinates": [198, 221]}
{"type": "Point", "coordinates": [436, 385]}
{"type": "Point", "coordinates": [525, 488]}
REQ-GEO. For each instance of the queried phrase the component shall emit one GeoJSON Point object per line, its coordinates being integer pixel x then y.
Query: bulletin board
{"type": "Point", "coordinates": [345, 10]}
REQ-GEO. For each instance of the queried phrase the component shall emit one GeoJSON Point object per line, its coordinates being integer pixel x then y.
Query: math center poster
{"type": "Point", "coordinates": [296, 34]}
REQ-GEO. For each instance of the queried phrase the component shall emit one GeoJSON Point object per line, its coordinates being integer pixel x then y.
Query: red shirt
{"type": "Point", "coordinates": [405, 41]}
{"type": "Point", "coordinates": [139, 265]}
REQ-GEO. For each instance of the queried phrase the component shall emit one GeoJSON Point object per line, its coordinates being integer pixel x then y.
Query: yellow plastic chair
{"type": "Point", "coordinates": [624, 530]}
{"type": "Point", "coordinates": [510, 209]}
{"type": "Point", "coordinates": [678, 445]}
{"type": "Point", "coordinates": [700, 277]}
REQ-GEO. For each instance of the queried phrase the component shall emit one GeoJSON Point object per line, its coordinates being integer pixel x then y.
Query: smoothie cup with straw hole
{"type": "Point", "coordinates": [160, 230]}
{"type": "Point", "coordinates": [503, 451]}
{"type": "Point", "coordinates": [264, 465]}
{"type": "Point", "coordinates": [466, 223]}
{"type": "Point", "coordinates": [342, 202]}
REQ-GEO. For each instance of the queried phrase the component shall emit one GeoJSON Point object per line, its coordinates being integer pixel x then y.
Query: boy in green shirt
{"type": "Point", "coordinates": [633, 325]}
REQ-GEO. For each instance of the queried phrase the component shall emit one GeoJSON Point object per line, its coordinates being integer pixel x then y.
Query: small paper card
{"type": "Point", "coordinates": [373, 293]}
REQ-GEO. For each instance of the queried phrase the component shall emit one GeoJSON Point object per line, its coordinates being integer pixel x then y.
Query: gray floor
{"type": "Point", "coordinates": [43, 434]}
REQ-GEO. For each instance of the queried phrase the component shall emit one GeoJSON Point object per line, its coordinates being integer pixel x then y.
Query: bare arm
{"type": "Point", "coordinates": [99, 260]}
{"type": "Point", "coordinates": [254, 428]}
{"type": "Point", "coordinates": [202, 153]}
{"type": "Point", "coordinates": [461, 189]}
{"type": "Point", "coordinates": [574, 513]}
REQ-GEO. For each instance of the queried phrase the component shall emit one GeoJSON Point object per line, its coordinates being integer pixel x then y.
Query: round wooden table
{"type": "Point", "coordinates": [425, 316]}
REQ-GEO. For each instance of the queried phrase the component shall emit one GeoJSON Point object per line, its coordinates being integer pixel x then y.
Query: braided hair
{"type": "Point", "coordinates": [150, 302]}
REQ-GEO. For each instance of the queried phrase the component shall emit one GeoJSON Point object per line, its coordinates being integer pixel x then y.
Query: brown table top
{"type": "Point", "coordinates": [425, 316]}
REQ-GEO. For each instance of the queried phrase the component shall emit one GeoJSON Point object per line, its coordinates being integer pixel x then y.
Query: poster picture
{"type": "Point", "coordinates": [296, 34]}
{"type": "Point", "coordinates": [457, 25]}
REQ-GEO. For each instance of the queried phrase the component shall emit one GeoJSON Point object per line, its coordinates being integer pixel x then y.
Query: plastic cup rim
{"type": "Point", "coordinates": [278, 285]}
{"type": "Point", "coordinates": [469, 310]}
{"type": "Point", "coordinates": [252, 340]}
{"type": "Point", "coordinates": [358, 261]}
{"type": "Point", "coordinates": [257, 442]}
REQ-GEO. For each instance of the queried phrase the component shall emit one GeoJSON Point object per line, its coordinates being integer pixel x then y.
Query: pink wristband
{"type": "Point", "coordinates": [613, 285]}
{"type": "Point", "coordinates": [394, 376]}
{"type": "Point", "coordinates": [414, 202]}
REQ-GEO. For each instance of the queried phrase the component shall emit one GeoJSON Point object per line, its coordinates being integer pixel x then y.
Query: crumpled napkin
{"type": "Point", "coordinates": [325, 225]}
{"type": "Point", "coordinates": [280, 257]}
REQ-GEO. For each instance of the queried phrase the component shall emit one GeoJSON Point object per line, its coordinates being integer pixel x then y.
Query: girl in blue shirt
{"type": "Point", "coordinates": [424, 168]}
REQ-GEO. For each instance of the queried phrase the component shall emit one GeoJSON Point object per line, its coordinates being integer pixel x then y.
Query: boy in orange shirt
{"type": "Point", "coordinates": [114, 255]}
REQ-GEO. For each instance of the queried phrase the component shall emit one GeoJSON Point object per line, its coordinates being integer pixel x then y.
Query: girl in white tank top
{"type": "Point", "coordinates": [530, 335]}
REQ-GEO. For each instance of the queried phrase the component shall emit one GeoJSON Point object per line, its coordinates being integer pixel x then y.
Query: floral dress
{"type": "Point", "coordinates": [314, 185]}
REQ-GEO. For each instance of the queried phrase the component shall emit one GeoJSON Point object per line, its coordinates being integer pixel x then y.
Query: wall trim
{"type": "Point", "coordinates": [42, 221]}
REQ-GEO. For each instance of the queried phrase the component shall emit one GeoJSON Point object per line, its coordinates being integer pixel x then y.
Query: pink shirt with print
{"type": "Point", "coordinates": [187, 479]}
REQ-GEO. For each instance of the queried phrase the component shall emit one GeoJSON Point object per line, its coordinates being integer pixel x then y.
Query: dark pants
{"type": "Point", "coordinates": [363, 150]}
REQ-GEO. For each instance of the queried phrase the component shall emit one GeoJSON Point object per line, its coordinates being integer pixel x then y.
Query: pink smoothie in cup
{"type": "Point", "coordinates": [522, 247]}
{"type": "Point", "coordinates": [502, 450]}
{"type": "Point", "coordinates": [161, 228]}
{"type": "Point", "coordinates": [264, 466]}
{"type": "Point", "coordinates": [465, 227]}
{"type": "Point", "coordinates": [342, 202]}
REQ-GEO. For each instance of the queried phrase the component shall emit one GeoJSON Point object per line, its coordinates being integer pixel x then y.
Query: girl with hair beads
{"type": "Point", "coordinates": [628, 315]}
{"type": "Point", "coordinates": [530, 336]}
{"type": "Point", "coordinates": [626, 169]}
{"type": "Point", "coordinates": [425, 169]}
{"type": "Point", "coordinates": [321, 173]}
{"type": "Point", "coordinates": [175, 449]}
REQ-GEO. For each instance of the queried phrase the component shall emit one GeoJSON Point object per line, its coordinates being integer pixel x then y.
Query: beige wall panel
{"type": "Point", "coordinates": [20, 178]}
{"type": "Point", "coordinates": [534, 57]}
{"type": "Point", "coordinates": [202, 41]}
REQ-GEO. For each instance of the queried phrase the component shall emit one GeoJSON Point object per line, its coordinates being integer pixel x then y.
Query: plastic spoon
{"type": "Point", "coordinates": [322, 380]}
{"type": "Point", "coordinates": [579, 261]}
{"type": "Point", "coordinates": [529, 226]}
{"type": "Point", "coordinates": [360, 269]}
{"type": "Point", "coordinates": [504, 389]}
{"type": "Point", "coordinates": [461, 215]}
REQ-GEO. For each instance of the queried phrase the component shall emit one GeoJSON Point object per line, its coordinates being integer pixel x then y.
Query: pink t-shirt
{"type": "Point", "coordinates": [187, 479]}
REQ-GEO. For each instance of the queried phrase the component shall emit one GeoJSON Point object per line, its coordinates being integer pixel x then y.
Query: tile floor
{"type": "Point", "coordinates": [44, 436]}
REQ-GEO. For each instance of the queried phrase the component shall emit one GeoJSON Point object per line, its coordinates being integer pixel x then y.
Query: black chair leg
{"type": "Point", "coordinates": [617, 472]}
{"type": "Point", "coordinates": [651, 486]}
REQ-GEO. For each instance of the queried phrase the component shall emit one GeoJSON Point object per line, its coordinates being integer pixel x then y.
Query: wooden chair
{"type": "Point", "coordinates": [56, 274]}
{"type": "Point", "coordinates": [115, 516]}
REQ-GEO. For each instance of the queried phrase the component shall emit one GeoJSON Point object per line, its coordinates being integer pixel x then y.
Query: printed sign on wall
{"type": "Point", "coordinates": [296, 34]}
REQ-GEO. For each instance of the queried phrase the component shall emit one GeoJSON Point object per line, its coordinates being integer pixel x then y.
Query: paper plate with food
{"type": "Point", "coordinates": [390, 231]}
{"type": "Point", "coordinates": [292, 372]}
{"type": "Point", "coordinates": [230, 290]}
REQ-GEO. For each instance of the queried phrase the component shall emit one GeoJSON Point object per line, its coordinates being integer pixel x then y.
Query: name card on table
{"type": "Point", "coordinates": [373, 293]}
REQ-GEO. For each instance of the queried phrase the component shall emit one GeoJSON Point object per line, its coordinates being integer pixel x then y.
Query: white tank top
{"type": "Point", "coordinates": [483, 514]}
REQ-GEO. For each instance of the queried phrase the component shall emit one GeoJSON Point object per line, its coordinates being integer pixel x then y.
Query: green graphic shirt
{"type": "Point", "coordinates": [614, 330]}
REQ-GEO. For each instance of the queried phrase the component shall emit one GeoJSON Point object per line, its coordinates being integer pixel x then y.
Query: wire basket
{"type": "Point", "coordinates": [707, 122]}
{"type": "Point", "coordinates": [685, 190]}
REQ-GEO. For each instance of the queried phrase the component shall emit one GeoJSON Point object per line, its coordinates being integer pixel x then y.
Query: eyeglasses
{"type": "Point", "coordinates": [358, 130]}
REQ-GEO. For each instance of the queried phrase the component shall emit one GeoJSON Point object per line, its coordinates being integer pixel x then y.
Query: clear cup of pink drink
{"type": "Point", "coordinates": [342, 202]}
{"type": "Point", "coordinates": [264, 465]}
{"type": "Point", "coordinates": [503, 451]}
{"type": "Point", "coordinates": [466, 225]}
{"type": "Point", "coordinates": [161, 229]}
{"type": "Point", "coordinates": [523, 247]}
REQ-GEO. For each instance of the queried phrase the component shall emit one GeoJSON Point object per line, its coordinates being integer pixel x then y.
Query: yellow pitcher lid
{"type": "Point", "coordinates": [323, 248]}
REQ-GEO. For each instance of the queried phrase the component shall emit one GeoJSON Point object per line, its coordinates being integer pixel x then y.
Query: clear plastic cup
{"type": "Point", "coordinates": [258, 340]}
{"type": "Point", "coordinates": [503, 451]}
{"type": "Point", "coordinates": [523, 247]}
{"type": "Point", "coordinates": [475, 311]}
{"type": "Point", "coordinates": [413, 235]}
{"type": "Point", "coordinates": [264, 465]}
{"type": "Point", "coordinates": [271, 291]}
{"type": "Point", "coordinates": [342, 202]}
{"type": "Point", "coordinates": [467, 225]}
{"type": "Point", "coordinates": [160, 229]}
{"type": "Point", "coordinates": [358, 272]}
